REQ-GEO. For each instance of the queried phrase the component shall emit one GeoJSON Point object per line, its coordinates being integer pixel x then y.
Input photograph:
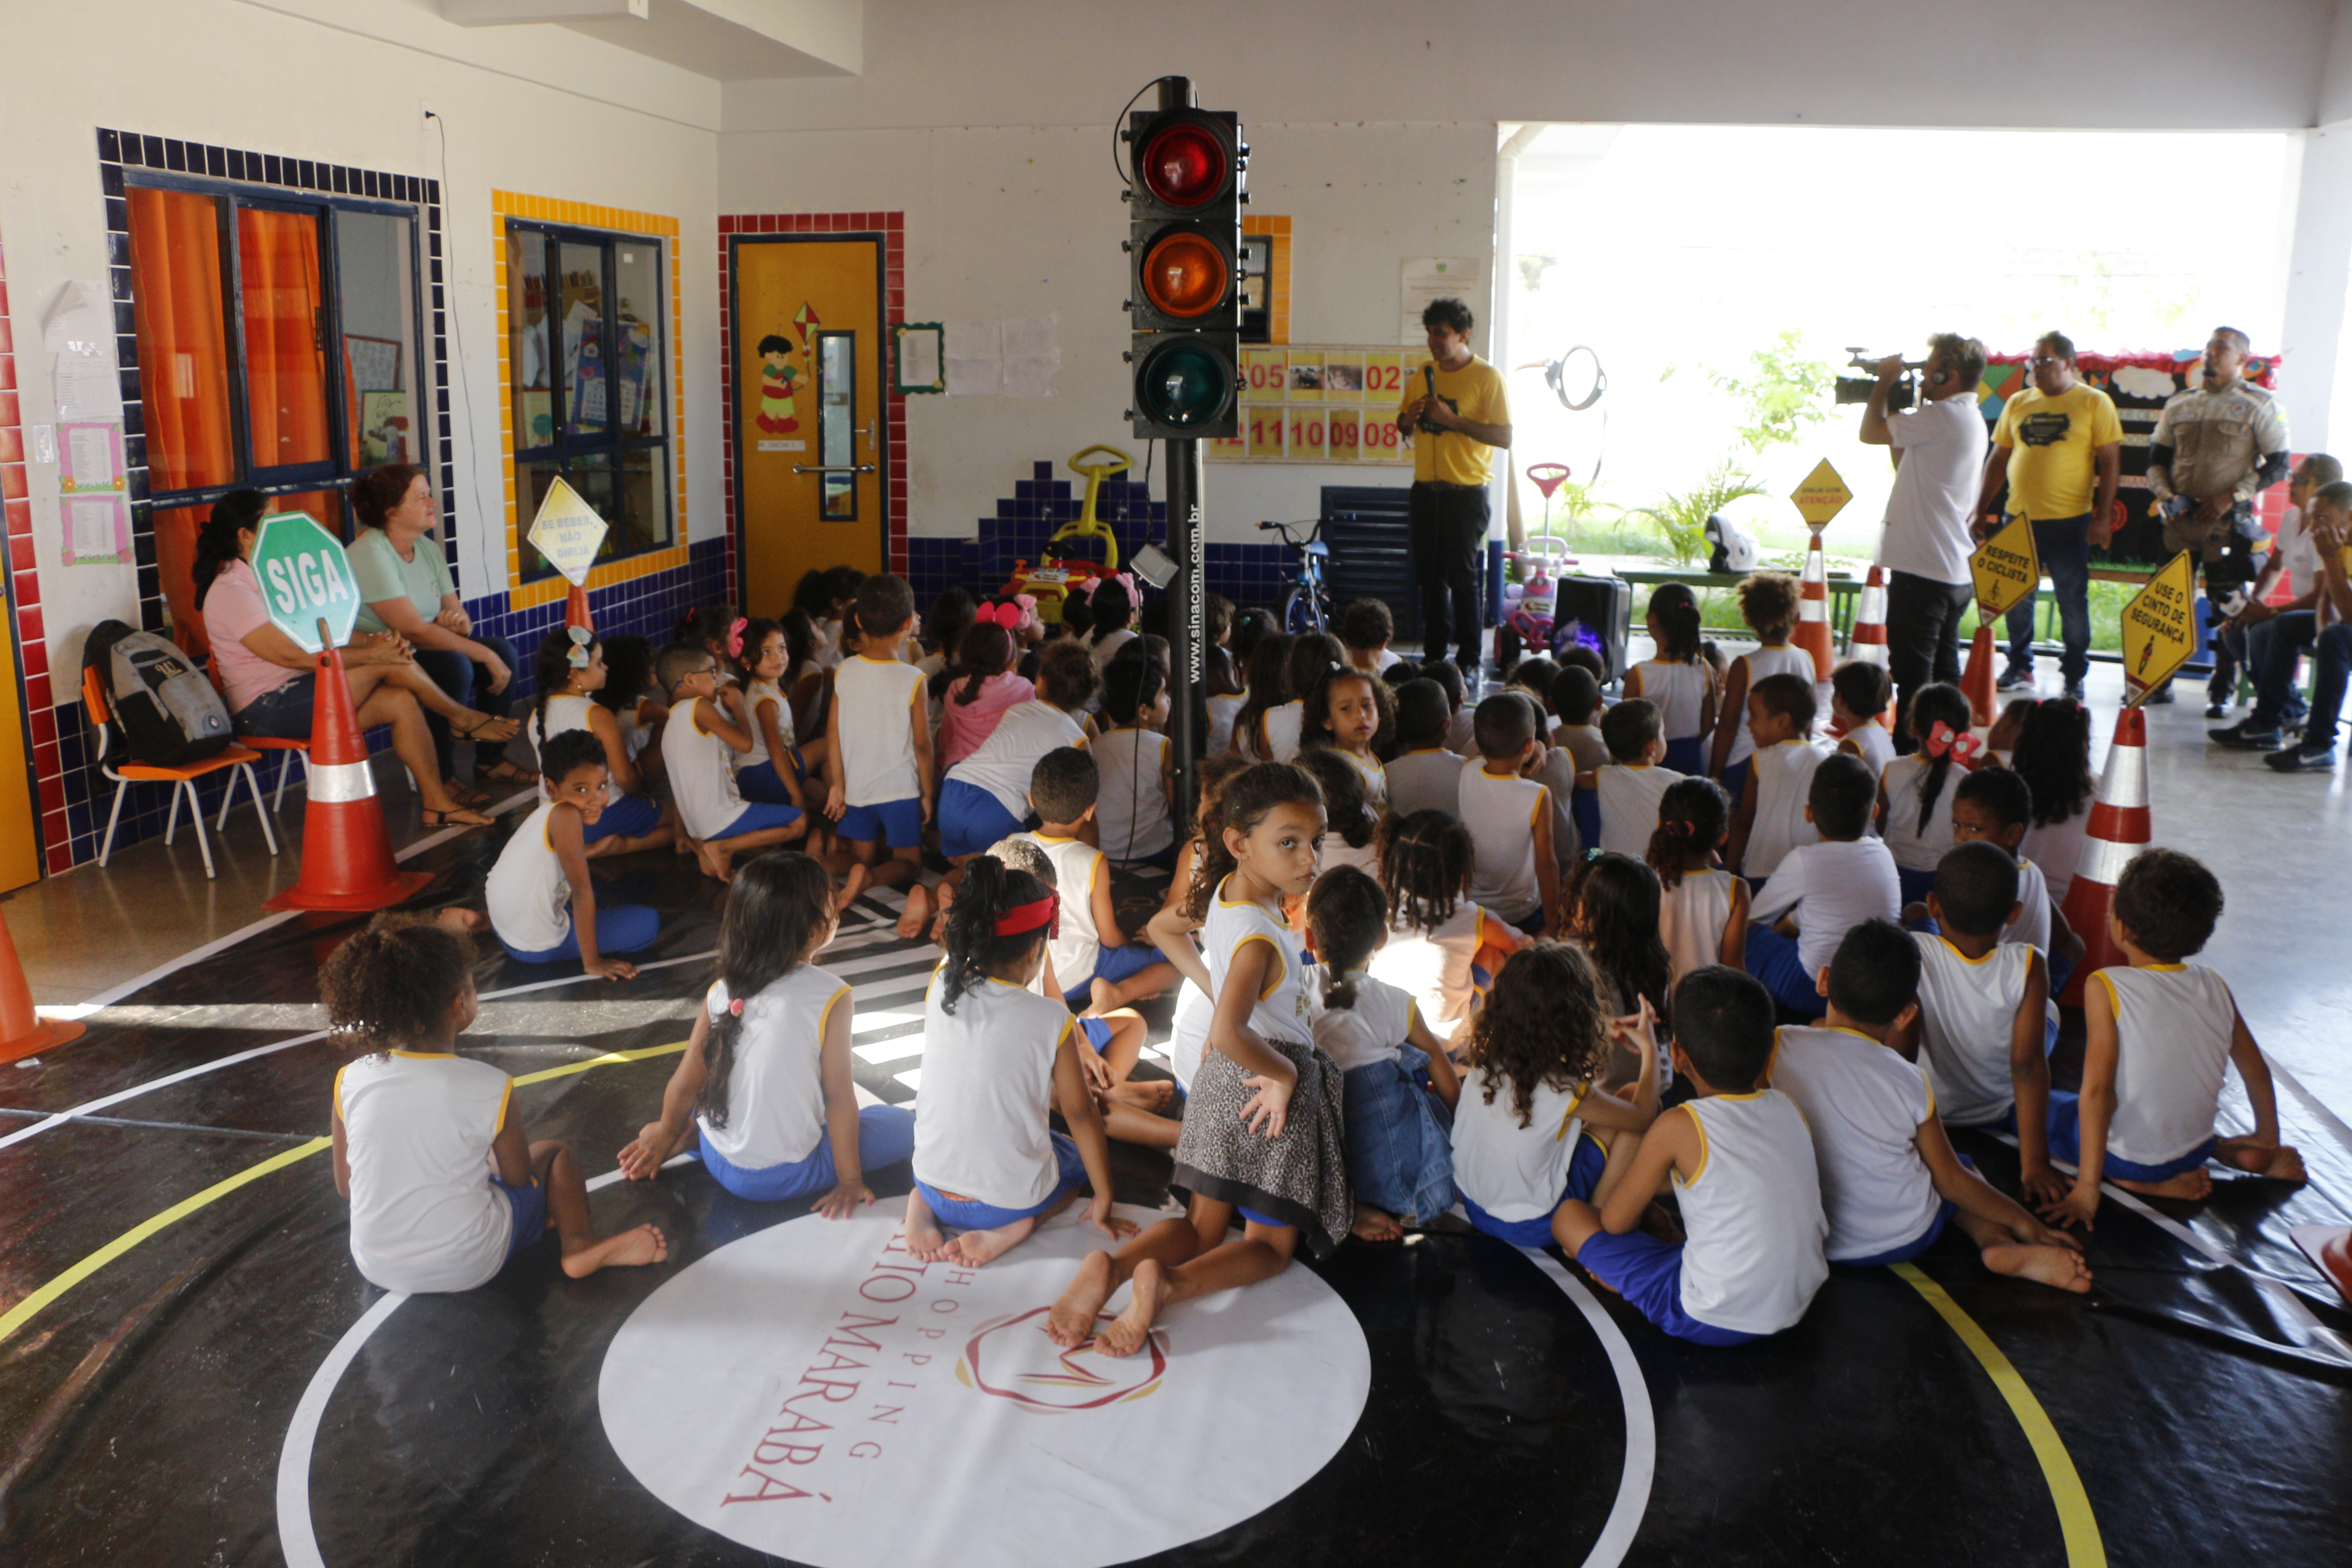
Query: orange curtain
{"type": "Point", "coordinates": [285, 353]}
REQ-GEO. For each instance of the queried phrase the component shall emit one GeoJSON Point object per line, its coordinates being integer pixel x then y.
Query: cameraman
{"type": "Point", "coordinates": [1939, 454]}
{"type": "Point", "coordinates": [1456, 408]}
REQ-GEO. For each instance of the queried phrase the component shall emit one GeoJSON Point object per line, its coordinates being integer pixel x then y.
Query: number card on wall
{"type": "Point", "coordinates": [1345, 430]}
{"type": "Point", "coordinates": [1321, 404]}
{"type": "Point", "coordinates": [1306, 436]}
{"type": "Point", "coordinates": [1261, 374]}
{"type": "Point", "coordinates": [1262, 433]}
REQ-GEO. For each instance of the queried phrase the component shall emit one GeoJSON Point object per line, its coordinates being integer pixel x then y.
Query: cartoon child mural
{"type": "Point", "coordinates": [777, 381]}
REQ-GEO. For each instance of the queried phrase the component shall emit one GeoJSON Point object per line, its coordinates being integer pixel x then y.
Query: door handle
{"type": "Point", "coordinates": [834, 468]}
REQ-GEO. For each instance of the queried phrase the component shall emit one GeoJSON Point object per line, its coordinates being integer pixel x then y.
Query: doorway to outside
{"type": "Point", "coordinates": [805, 316]}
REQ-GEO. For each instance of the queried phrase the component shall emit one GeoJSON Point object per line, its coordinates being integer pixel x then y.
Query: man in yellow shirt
{"type": "Point", "coordinates": [2059, 448]}
{"type": "Point", "coordinates": [1455, 412]}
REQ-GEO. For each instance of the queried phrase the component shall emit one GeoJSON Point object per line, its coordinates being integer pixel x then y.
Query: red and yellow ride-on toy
{"type": "Point", "coordinates": [1051, 579]}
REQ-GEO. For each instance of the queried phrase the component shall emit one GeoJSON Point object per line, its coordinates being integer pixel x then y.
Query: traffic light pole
{"type": "Point", "coordinates": [1187, 621]}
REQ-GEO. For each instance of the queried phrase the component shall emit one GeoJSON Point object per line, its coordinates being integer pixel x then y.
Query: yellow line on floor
{"type": "Point", "coordinates": [2076, 1520]}
{"type": "Point", "coordinates": [24, 1310]}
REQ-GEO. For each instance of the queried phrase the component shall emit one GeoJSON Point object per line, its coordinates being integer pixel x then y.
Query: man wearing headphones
{"type": "Point", "coordinates": [1940, 454]}
{"type": "Point", "coordinates": [1455, 413]}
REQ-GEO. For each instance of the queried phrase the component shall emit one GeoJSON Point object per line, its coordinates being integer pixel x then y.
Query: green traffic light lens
{"type": "Point", "coordinates": [1183, 385]}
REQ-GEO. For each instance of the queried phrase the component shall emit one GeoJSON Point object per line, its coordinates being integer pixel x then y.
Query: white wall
{"type": "Point", "coordinates": [1026, 221]}
{"type": "Point", "coordinates": [236, 75]}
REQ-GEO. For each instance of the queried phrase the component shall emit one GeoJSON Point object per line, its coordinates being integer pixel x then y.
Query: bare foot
{"type": "Point", "coordinates": [854, 885]}
{"type": "Point", "coordinates": [975, 1247]}
{"type": "Point", "coordinates": [2060, 1268]}
{"type": "Point", "coordinates": [1375, 1225]}
{"type": "Point", "coordinates": [645, 1244]}
{"type": "Point", "coordinates": [463, 920]}
{"type": "Point", "coordinates": [2276, 1161]}
{"type": "Point", "coordinates": [1129, 1331]}
{"type": "Point", "coordinates": [1155, 1095]}
{"type": "Point", "coordinates": [2192, 1183]}
{"type": "Point", "coordinates": [917, 914]}
{"type": "Point", "coordinates": [925, 1241]}
{"type": "Point", "coordinates": [715, 861]}
{"type": "Point", "coordinates": [1071, 1323]}
{"type": "Point", "coordinates": [1102, 997]}
{"type": "Point", "coordinates": [2285, 1165]}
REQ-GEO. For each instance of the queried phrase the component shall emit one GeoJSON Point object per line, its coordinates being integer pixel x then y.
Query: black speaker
{"type": "Point", "coordinates": [1604, 607]}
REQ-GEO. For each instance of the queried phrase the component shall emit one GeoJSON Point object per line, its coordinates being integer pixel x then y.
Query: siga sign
{"type": "Point", "coordinates": [305, 579]}
{"type": "Point", "coordinates": [1821, 496]}
{"type": "Point", "coordinates": [567, 531]}
{"type": "Point", "coordinates": [2159, 628]}
{"type": "Point", "coordinates": [2007, 569]}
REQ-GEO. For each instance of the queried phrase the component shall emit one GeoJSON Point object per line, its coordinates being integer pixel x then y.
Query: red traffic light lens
{"type": "Point", "coordinates": [1186, 275]}
{"type": "Point", "coordinates": [1184, 164]}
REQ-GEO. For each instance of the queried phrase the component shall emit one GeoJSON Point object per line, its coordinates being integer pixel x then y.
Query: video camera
{"type": "Point", "coordinates": [1901, 394]}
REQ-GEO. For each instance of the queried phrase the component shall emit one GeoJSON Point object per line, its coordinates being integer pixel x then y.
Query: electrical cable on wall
{"type": "Point", "coordinates": [457, 325]}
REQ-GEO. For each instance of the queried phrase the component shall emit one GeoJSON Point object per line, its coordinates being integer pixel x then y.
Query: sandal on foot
{"type": "Point", "coordinates": [508, 773]}
{"type": "Point", "coordinates": [455, 816]}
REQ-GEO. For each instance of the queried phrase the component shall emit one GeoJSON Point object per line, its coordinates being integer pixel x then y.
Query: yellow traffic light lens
{"type": "Point", "coordinates": [1184, 164]}
{"type": "Point", "coordinates": [1186, 275]}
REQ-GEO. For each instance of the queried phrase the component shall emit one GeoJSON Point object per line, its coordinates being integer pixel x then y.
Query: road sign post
{"type": "Point", "coordinates": [306, 588]}
{"type": "Point", "coordinates": [2159, 628]}
{"type": "Point", "coordinates": [567, 533]}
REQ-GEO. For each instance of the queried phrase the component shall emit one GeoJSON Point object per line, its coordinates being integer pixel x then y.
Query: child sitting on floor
{"type": "Point", "coordinates": [699, 743]}
{"type": "Point", "coordinates": [1226, 699]}
{"type": "Point", "coordinates": [879, 746]}
{"type": "Point", "coordinates": [1189, 1032]}
{"type": "Point", "coordinates": [1768, 819]}
{"type": "Point", "coordinates": [1283, 730]}
{"type": "Point", "coordinates": [1509, 817]}
{"type": "Point", "coordinates": [1859, 692]}
{"type": "Point", "coordinates": [1889, 1178]}
{"type": "Point", "coordinates": [2052, 755]}
{"type": "Point", "coordinates": [1400, 1162]}
{"type": "Point", "coordinates": [1541, 1044]}
{"type": "Point", "coordinates": [1353, 836]}
{"type": "Point", "coordinates": [1984, 1029]}
{"type": "Point", "coordinates": [975, 692]}
{"type": "Point", "coordinates": [2161, 1032]}
{"type": "Point", "coordinates": [1616, 924]}
{"type": "Point", "coordinates": [1740, 1164]}
{"type": "Point", "coordinates": [1093, 961]}
{"type": "Point", "coordinates": [1628, 788]}
{"type": "Point", "coordinates": [985, 797]}
{"type": "Point", "coordinates": [1460, 717]}
{"type": "Point", "coordinates": [444, 1184]}
{"type": "Point", "coordinates": [1353, 714]}
{"type": "Point", "coordinates": [1821, 891]}
{"type": "Point", "coordinates": [1424, 775]}
{"type": "Point", "coordinates": [1993, 806]}
{"type": "Point", "coordinates": [997, 1060]}
{"type": "Point", "coordinates": [1767, 603]}
{"type": "Point", "coordinates": [1263, 1128]}
{"type": "Point", "coordinates": [571, 673]}
{"type": "Point", "coordinates": [1136, 764]}
{"type": "Point", "coordinates": [1915, 811]}
{"type": "Point", "coordinates": [1677, 680]}
{"type": "Point", "coordinates": [774, 769]}
{"type": "Point", "coordinates": [1702, 908]}
{"type": "Point", "coordinates": [765, 1087]}
{"type": "Point", "coordinates": [541, 901]}
{"type": "Point", "coordinates": [1268, 689]}
{"type": "Point", "coordinates": [1444, 949]}
{"type": "Point", "coordinates": [1365, 628]}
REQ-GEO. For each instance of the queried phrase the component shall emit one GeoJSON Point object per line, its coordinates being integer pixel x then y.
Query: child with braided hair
{"type": "Point", "coordinates": [1445, 948]}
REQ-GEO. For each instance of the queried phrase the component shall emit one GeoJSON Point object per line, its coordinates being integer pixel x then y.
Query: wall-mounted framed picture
{"type": "Point", "coordinates": [918, 357]}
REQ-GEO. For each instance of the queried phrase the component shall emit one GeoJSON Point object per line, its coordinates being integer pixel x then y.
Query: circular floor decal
{"type": "Point", "coordinates": [814, 1391]}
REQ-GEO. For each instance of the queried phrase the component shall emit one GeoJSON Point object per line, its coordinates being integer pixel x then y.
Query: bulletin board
{"type": "Point", "coordinates": [1333, 403]}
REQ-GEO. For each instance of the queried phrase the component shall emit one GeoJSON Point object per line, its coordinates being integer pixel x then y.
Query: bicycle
{"type": "Point", "coordinates": [1307, 606]}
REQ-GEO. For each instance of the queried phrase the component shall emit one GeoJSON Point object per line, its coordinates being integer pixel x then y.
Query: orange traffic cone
{"type": "Point", "coordinates": [2118, 828]}
{"type": "Point", "coordinates": [2330, 1251]}
{"type": "Point", "coordinates": [1976, 676]}
{"type": "Point", "coordinates": [1868, 643]}
{"type": "Point", "coordinates": [23, 1032]}
{"type": "Point", "coordinates": [347, 860]}
{"type": "Point", "coordinates": [1812, 632]}
{"type": "Point", "coordinates": [575, 610]}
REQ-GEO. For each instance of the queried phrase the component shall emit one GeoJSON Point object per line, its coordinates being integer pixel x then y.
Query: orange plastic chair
{"type": "Point", "coordinates": [183, 780]}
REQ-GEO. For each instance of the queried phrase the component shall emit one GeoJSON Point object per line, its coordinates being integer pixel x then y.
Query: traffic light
{"type": "Point", "coordinates": [1188, 178]}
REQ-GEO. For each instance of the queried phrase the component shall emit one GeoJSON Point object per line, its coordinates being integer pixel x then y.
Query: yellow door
{"type": "Point", "coordinates": [20, 855]}
{"type": "Point", "coordinates": [806, 315]}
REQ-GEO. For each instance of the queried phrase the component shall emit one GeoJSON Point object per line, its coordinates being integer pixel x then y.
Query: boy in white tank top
{"type": "Point", "coordinates": [1859, 692]}
{"type": "Point", "coordinates": [2161, 1034]}
{"type": "Point", "coordinates": [878, 749]}
{"type": "Point", "coordinates": [1631, 785]}
{"type": "Point", "coordinates": [1092, 959]}
{"type": "Point", "coordinates": [1995, 806]}
{"type": "Point", "coordinates": [1890, 1181]}
{"type": "Point", "coordinates": [699, 745]}
{"type": "Point", "coordinates": [1742, 1165]}
{"type": "Point", "coordinates": [1509, 817]}
{"type": "Point", "coordinates": [1767, 603]}
{"type": "Point", "coordinates": [1769, 819]}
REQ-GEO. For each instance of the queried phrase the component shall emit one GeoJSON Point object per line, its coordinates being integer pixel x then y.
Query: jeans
{"type": "Point", "coordinates": [1448, 530]}
{"type": "Point", "coordinates": [2257, 639]}
{"type": "Point", "coordinates": [2334, 657]}
{"type": "Point", "coordinates": [1922, 635]}
{"type": "Point", "coordinates": [468, 683]}
{"type": "Point", "coordinates": [2282, 640]}
{"type": "Point", "coordinates": [1400, 1152]}
{"type": "Point", "coordinates": [2063, 544]}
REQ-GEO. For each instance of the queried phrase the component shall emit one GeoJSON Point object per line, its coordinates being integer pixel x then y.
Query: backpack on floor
{"type": "Point", "coordinates": [164, 709]}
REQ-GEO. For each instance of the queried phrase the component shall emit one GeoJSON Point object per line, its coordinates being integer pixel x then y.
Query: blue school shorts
{"type": "Point", "coordinates": [1585, 810]}
{"type": "Point", "coordinates": [1734, 778]}
{"type": "Point", "coordinates": [758, 817]}
{"type": "Point", "coordinates": [2066, 1144]}
{"type": "Point", "coordinates": [898, 821]}
{"type": "Point", "coordinates": [621, 928]}
{"type": "Point", "coordinates": [1916, 885]}
{"type": "Point", "coordinates": [1649, 1274]}
{"type": "Point", "coordinates": [1585, 1168]}
{"type": "Point", "coordinates": [761, 782]}
{"type": "Point", "coordinates": [623, 817]}
{"type": "Point", "coordinates": [886, 1135]}
{"type": "Point", "coordinates": [1918, 1243]}
{"type": "Point", "coordinates": [1115, 965]}
{"type": "Point", "coordinates": [976, 1216]}
{"type": "Point", "coordinates": [1773, 959]}
{"type": "Point", "coordinates": [529, 1205]}
{"type": "Point", "coordinates": [971, 819]}
{"type": "Point", "coordinates": [1687, 757]}
{"type": "Point", "coordinates": [1096, 1032]}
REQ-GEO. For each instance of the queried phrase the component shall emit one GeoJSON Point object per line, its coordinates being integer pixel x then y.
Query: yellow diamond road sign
{"type": "Point", "coordinates": [2007, 569]}
{"type": "Point", "coordinates": [1822, 495]}
{"type": "Point", "coordinates": [568, 532]}
{"type": "Point", "coordinates": [2159, 628]}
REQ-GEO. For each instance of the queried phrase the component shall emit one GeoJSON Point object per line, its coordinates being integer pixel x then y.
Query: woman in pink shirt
{"type": "Point", "coordinates": [980, 686]}
{"type": "Point", "coordinates": [270, 682]}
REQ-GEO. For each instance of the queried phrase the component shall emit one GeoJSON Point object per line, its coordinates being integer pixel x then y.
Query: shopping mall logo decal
{"type": "Point", "coordinates": [1004, 1361]}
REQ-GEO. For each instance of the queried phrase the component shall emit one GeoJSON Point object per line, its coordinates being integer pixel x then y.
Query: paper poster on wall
{"type": "Point", "coordinates": [91, 455]}
{"type": "Point", "coordinates": [78, 330]}
{"type": "Point", "coordinates": [1428, 277]}
{"type": "Point", "coordinates": [1320, 404]}
{"type": "Point", "coordinates": [97, 530]}
{"type": "Point", "coordinates": [1033, 352]}
{"type": "Point", "coordinates": [1303, 382]}
{"type": "Point", "coordinates": [975, 351]}
{"type": "Point", "coordinates": [916, 364]}
{"type": "Point", "coordinates": [386, 433]}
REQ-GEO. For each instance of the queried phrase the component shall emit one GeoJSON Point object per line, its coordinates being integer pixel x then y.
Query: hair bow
{"type": "Point", "coordinates": [1005, 616]}
{"type": "Point", "coordinates": [735, 1007]}
{"type": "Point", "coordinates": [577, 656]}
{"type": "Point", "coordinates": [1126, 582]}
{"type": "Point", "coordinates": [1964, 745]}
{"type": "Point", "coordinates": [735, 637]}
{"type": "Point", "coordinates": [1045, 911]}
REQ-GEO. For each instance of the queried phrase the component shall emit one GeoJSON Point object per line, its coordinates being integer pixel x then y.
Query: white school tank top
{"type": "Point", "coordinates": [1515, 1173]}
{"type": "Point", "coordinates": [1188, 1037]}
{"type": "Point", "coordinates": [1784, 775]}
{"type": "Point", "coordinates": [563, 713]}
{"type": "Point", "coordinates": [1912, 848]}
{"type": "Point", "coordinates": [1753, 1214]}
{"type": "Point", "coordinates": [1001, 764]}
{"type": "Point", "coordinates": [1968, 1007]}
{"type": "Point", "coordinates": [1863, 1105]}
{"type": "Point", "coordinates": [988, 1087]}
{"type": "Point", "coordinates": [1876, 746]}
{"type": "Point", "coordinates": [2032, 926]}
{"type": "Point", "coordinates": [1367, 1033]}
{"type": "Point", "coordinates": [775, 1092]}
{"type": "Point", "coordinates": [2173, 1026]}
{"type": "Point", "coordinates": [701, 772]}
{"type": "Point", "coordinates": [1691, 918]}
{"type": "Point", "coordinates": [1763, 662]}
{"type": "Point", "coordinates": [1678, 692]}
{"type": "Point", "coordinates": [2057, 848]}
{"type": "Point", "coordinates": [1628, 795]}
{"type": "Point", "coordinates": [1283, 727]}
{"type": "Point", "coordinates": [1221, 712]}
{"type": "Point", "coordinates": [1284, 1010]}
{"type": "Point", "coordinates": [1433, 966]}
{"type": "Point", "coordinates": [1500, 814]}
{"type": "Point", "coordinates": [418, 1130]}
{"type": "Point", "coordinates": [880, 700]}
{"type": "Point", "coordinates": [1130, 804]}
{"type": "Point", "coordinates": [527, 894]}
{"type": "Point", "coordinates": [1076, 951]}
{"type": "Point", "coordinates": [755, 693]}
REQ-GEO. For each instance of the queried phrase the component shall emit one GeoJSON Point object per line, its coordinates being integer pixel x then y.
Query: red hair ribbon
{"type": "Point", "coordinates": [1046, 911]}
{"type": "Point", "coordinates": [1963, 744]}
{"type": "Point", "coordinates": [735, 1007]}
{"type": "Point", "coordinates": [735, 637]}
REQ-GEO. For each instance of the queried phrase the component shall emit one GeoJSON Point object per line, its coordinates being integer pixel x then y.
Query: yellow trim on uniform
{"type": "Point", "coordinates": [1069, 1022]}
{"type": "Point", "coordinates": [1274, 981]}
{"type": "Point", "coordinates": [339, 1089]}
{"type": "Point", "coordinates": [1704, 1151]}
{"type": "Point", "coordinates": [2162, 968]}
{"type": "Point", "coordinates": [2076, 1523]}
{"type": "Point", "coordinates": [2114, 1002]}
{"type": "Point", "coordinates": [1963, 957]}
{"type": "Point", "coordinates": [1050, 839]}
{"type": "Point", "coordinates": [505, 1095]}
{"type": "Point", "coordinates": [1575, 1102]}
{"type": "Point", "coordinates": [825, 1019]}
{"type": "Point", "coordinates": [424, 1056]}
